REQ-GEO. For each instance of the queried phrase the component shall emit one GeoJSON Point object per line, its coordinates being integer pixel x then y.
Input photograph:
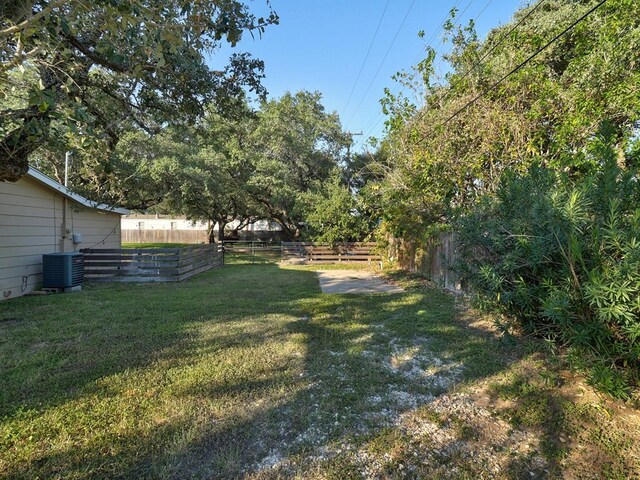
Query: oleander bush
{"type": "Point", "coordinates": [562, 257]}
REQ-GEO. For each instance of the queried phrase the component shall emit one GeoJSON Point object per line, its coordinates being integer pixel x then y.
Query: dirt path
{"type": "Point", "coordinates": [354, 281]}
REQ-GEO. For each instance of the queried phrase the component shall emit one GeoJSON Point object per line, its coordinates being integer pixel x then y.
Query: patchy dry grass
{"type": "Point", "coordinates": [249, 371]}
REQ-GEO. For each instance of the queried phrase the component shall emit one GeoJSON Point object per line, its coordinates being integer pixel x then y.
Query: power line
{"type": "Point", "coordinates": [373, 122]}
{"type": "Point", "coordinates": [383, 60]}
{"type": "Point", "coordinates": [491, 50]}
{"type": "Point", "coordinates": [378, 118]}
{"type": "Point", "coordinates": [458, 23]}
{"type": "Point", "coordinates": [522, 64]}
{"type": "Point", "coordinates": [442, 23]}
{"type": "Point", "coordinates": [475, 19]}
{"type": "Point", "coordinates": [483, 9]}
{"type": "Point", "coordinates": [455, 24]}
{"type": "Point", "coordinates": [366, 57]}
{"type": "Point", "coordinates": [435, 33]}
{"type": "Point", "coordinates": [376, 121]}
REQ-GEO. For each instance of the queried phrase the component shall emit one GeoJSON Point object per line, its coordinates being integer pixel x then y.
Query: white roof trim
{"type": "Point", "coordinates": [51, 183]}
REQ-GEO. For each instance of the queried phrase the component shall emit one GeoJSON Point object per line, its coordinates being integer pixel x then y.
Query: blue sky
{"type": "Point", "coordinates": [322, 45]}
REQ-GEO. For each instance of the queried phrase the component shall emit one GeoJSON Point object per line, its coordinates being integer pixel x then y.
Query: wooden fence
{"type": "Point", "coordinates": [150, 264]}
{"type": "Point", "coordinates": [251, 247]}
{"type": "Point", "coordinates": [436, 260]}
{"type": "Point", "coordinates": [165, 236]}
{"type": "Point", "coordinates": [325, 253]}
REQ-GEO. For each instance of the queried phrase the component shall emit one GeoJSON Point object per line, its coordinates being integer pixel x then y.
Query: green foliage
{"type": "Point", "coordinates": [547, 112]}
{"type": "Point", "coordinates": [563, 256]}
{"type": "Point", "coordinates": [283, 162]}
{"type": "Point", "coordinates": [334, 216]}
{"type": "Point", "coordinates": [296, 146]}
{"type": "Point", "coordinates": [210, 185]}
{"type": "Point", "coordinates": [100, 68]}
{"type": "Point", "coordinates": [547, 211]}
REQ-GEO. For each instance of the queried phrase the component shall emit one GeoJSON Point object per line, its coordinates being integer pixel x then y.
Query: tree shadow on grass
{"type": "Point", "coordinates": [366, 361]}
{"type": "Point", "coordinates": [58, 350]}
{"type": "Point", "coordinates": [54, 346]}
{"type": "Point", "coordinates": [342, 377]}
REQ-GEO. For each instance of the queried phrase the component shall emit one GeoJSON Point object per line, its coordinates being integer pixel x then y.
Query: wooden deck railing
{"type": "Point", "coordinates": [325, 253]}
{"type": "Point", "coordinates": [150, 264]}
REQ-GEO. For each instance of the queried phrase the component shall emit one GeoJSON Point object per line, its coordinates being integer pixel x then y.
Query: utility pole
{"type": "Point", "coordinates": [67, 161]}
{"type": "Point", "coordinates": [349, 142]}
{"type": "Point", "coordinates": [350, 135]}
{"type": "Point", "coordinates": [66, 230]}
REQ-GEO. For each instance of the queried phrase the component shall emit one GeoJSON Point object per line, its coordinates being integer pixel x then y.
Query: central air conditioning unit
{"type": "Point", "coordinates": [62, 270]}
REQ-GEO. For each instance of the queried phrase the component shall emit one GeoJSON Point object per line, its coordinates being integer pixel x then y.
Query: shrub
{"type": "Point", "coordinates": [563, 257]}
{"type": "Point", "coordinates": [335, 216]}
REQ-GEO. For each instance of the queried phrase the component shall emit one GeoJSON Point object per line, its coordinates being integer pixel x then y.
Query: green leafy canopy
{"type": "Point", "coordinates": [104, 67]}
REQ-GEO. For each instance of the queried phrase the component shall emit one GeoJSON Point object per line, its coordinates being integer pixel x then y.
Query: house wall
{"type": "Point", "coordinates": [32, 223]}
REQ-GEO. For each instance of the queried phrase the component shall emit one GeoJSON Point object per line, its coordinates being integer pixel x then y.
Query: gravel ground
{"type": "Point", "coordinates": [417, 410]}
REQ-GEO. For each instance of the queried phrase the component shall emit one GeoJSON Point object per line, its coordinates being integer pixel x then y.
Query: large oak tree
{"type": "Point", "coordinates": [297, 145]}
{"type": "Point", "coordinates": [102, 67]}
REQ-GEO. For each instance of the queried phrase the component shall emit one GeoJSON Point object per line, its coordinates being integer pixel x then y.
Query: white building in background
{"type": "Point", "coordinates": [160, 222]}
{"type": "Point", "coordinates": [168, 222]}
{"type": "Point", "coordinates": [141, 228]}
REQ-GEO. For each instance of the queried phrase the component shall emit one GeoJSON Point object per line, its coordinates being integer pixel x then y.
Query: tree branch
{"type": "Point", "coordinates": [92, 55]}
{"type": "Point", "coordinates": [34, 18]}
{"type": "Point", "coordinates": [19, 58]}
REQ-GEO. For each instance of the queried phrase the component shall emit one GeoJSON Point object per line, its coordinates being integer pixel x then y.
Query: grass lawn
{"type": "Point", "coordinates": [249, 371]}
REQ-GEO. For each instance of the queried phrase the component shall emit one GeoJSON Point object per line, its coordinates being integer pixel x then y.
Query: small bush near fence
{"type": "Point", "coordinates": [150, 264]}
{"type": "Point", "coordinates": [564, 258]}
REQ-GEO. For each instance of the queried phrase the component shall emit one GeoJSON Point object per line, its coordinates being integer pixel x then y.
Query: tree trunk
{"type": "Point", "coordinates": [221, 225]}
{"type": "Point", "coordinates": [287, 234]}
{"type": "Point", "coordinates": [211, 233]}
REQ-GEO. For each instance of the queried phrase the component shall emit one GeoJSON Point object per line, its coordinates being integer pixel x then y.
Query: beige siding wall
{"type": "Point", "coordinates": [32, 222]}
{"type": "Point", "coordinates": [98, 229]}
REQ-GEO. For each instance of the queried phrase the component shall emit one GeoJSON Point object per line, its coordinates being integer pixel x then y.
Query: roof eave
{"type": "Point", "coordinates": [51, 183]}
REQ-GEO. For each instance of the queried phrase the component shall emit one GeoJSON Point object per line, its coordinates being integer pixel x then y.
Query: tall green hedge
{"type": "Point", "coordinates": [562, 257]}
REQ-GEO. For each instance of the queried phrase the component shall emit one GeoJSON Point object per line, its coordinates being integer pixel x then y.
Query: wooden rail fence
{"type": "Point", "coordinates": [150, 264]}
{"type": "Point", "coordinates": [251, 246]}
{"type": "Point", "coordinates": [325, 253]}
